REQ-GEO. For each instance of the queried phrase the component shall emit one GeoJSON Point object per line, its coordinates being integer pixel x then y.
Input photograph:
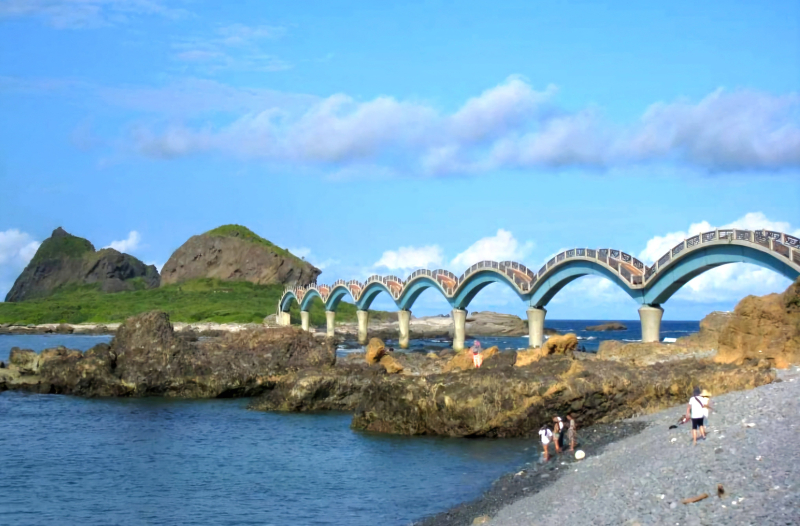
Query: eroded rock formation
{"type": "Point", "coordinates": [234, 253]}
{"type": "Point", "coordinates": [64, 259]}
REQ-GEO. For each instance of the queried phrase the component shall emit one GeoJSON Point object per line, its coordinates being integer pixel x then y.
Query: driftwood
{"type": "Point", "coordinates": [720, 490]}
{"type": "Point", "coordinates": [695, 499]}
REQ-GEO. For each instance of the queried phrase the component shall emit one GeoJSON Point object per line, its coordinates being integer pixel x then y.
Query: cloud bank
{"type": "Point", "coordinates": [511, 126]}
{"type": "Point", "coordinates": [128, 244]}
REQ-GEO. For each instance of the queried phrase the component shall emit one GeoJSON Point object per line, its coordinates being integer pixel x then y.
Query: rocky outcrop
{"type": "Point", "coordinates": [234, 253]}
{"type": "Point", "coordinates": [147, 358]}
{"type": "Point", "coordinates": [477, 324]}
{"type": "Point", "coordinates": [374, 351]}
{"type": "Point", "coordinates": [760, 329]}
{"type": "Point", "coordinates": [511, 401]}
{"type": "Point", "coordinates": [763, 328]}
{"type": "Point", "coordinates": [611, 326]}
{"type": "Point", "coordinates": [64, 259]}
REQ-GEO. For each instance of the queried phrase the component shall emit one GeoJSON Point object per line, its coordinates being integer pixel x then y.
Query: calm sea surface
{"type": "Point", "coordinates": [68, 460]}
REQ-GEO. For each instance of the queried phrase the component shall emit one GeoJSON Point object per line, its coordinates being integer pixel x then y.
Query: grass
{"type": "Point", "coordinates": [62, 246]}
{"type": "Point", "coordinates": [245, 233]}
{"type": "Point", "coordinates": [203, 300]}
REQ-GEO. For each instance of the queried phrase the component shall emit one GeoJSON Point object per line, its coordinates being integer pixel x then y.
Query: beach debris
{"type": "Point", "coordinates": [520, 473]}
{"type": "Point", "coordinates": [698, 498]}
{"type": "Point", "coordinates": [580, 455]}
{"type": "Point", "coordinates": [758, 458]}
{"type": "Point", "coordinates": [483, 519]}
{"type": "Point", "coordinates": [720, 490]}
{"type": "Point", "coordinates": [750, 424]}
{"type": "Point", "coordinates": [674, 439]}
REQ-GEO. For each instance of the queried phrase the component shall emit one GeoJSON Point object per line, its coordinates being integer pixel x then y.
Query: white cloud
{"type": "Point", "coordinates": [727, 282]}
{"type": "Point", "coordinates": [72, 14]}
{"type": "Point", "coordinates": [407, 259]}
{"type": "Point", "coordinates": [500, 247]}
{"type": "Point", "coordinates": [127, 245]}
{"type": "Point", "coordinates": [508, 126]}
{"type": "Point", "coordinates": [16, 250]}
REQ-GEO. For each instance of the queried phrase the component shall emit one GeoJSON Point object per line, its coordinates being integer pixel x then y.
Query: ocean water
{"type": "Point", "coordinates": [68, 460]}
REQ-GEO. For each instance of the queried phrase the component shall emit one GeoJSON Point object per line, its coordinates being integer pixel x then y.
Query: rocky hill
{"type": "Point", "coordinates": [64, 259]}
{"type": "Point", "coordinates": [234, 253]}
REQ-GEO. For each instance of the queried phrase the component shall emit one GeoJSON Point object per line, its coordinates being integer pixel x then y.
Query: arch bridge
{"type": "Point", "coordinates": [651, 286]}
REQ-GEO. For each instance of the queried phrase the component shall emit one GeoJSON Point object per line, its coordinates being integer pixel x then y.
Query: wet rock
{"type": "Point", "coordinates": [391, 365]}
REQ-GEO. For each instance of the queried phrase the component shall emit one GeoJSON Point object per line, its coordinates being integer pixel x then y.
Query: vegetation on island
{"type": "Point", "coordinates": [202, 300]}
{"type": "Point", "coordinates": [62, 246]}
{"type": "Point", "coordinates": [242, 232]}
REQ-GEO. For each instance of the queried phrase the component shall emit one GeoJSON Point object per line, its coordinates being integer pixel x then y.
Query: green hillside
{"type": "Point", "coordinates": [200, 300]}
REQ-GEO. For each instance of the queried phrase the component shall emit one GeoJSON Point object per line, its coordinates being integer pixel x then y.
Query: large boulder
{"type": "Point", "coordinates": [25, 360]}
{"type": "Point", "coordinates": [375, 351]}
{"type": "Point", "coordinates": [234, 253]}
{"type": "Point", "coordinates": [610, 326]}
{"type": "Point", "coordinates": [64, 259]}
{"type": "Point", "coordinates": [560, 344]}
{"type": "Point", "coordinates": [763, 328]}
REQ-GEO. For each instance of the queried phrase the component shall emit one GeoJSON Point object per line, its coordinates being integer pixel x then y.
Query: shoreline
{"type": "Point", "coordinates": [535, 486]}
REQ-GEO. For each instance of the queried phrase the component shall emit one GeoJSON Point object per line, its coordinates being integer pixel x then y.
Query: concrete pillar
{"type": "Point", "coordinates": [330, 317]}
{"type": "Point", "coordinates": [363, 322]}
{"type": "Point", "coordinates": [304, 315]}
{"type": "Point", "coordinates": [650, 316]}
{"type": "Point", "coordinates": [404, 319]}
{"type": "Point", "coordinates": [459, 328]}
{"type": "Point", "coordinates": [284, 319]}
{"type": "Point", "coordinates": [536, 326]}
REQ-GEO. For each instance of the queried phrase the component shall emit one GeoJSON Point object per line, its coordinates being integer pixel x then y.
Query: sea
{"type": "Point", "coordinates": [70, 460]}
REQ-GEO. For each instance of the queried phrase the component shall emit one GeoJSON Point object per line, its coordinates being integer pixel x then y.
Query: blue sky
{"type": "Point", "coordinates": [374, 138]}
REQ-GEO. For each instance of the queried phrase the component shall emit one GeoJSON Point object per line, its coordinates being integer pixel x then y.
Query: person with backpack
{"type": "Point", "coordinates": [547, 436]}
{"type": "Point", "coordinates": [696, 411]}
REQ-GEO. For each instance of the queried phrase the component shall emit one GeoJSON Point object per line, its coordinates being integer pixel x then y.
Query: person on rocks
{"type": "Point", "coordinates": [572, 432]}
{"type": "Point", "coordinates": [547, 436]}
{"type": "Point", "coordinates": [477, 357]}
{"type": "Point", "coordinates": [558, 433]}
{"type": "Point", "coordinates": [696, 411]}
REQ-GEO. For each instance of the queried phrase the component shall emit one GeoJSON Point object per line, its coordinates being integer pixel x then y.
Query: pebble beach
{"type": "Point", "coordinates": [752, 453]}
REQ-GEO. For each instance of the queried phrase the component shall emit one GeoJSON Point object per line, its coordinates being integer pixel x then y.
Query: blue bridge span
{"type": "Point", "coordinates": [651, 286]}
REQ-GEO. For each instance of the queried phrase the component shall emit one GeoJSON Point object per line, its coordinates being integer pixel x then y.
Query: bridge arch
{"type": "Point", "coordinates": [476, 282]}
{"type": "Point", "coordinates": [559, 277]}
{"type": "Point", "coordinates": [669, 280]}
{"type": "Point", "coordinates": [336, 295]}
{"type": "Point", "coordinates": [370, 292]}
{"type": "Point", "coordinates": [286, 300]}
{"type": "Point", "coordinates": [308, 298]}
{"type": "Point", "coordinates": [416, 286]}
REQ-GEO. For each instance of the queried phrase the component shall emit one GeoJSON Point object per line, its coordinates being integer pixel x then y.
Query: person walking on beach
{"type": "Point", "coordinates": [696, 411]}
{"type": "Point", "coordinates": [477, 357]}
{"type": "Point", "coordinates": [558, 432]}
{"type": "Point", "coordinates": [547, 436]}
{"type": "Point", "coordinates": [572, 432]}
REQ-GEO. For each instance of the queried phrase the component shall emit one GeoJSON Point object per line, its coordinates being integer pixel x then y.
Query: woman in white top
{"type": "Point", "coordinates": [696, 410]}
{"type": "Point", "coordinates": [547, 437]}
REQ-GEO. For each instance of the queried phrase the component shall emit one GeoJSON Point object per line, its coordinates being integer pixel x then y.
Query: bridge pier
{"type": "Point", "coordinates": [283, 319]}
{"type": "Point", "coordinates": [330, 317]}
{"type": "Point", "coordinates": [459, 329]}
{"type": "Point", "coordinates": [304, 316]}
{"type": "Point", "coordinates": [363, 322]}
{"type": "Point", "coordinates": [404, 318]}
{"type": "Point", "coordinates": [536, 326]}
{"type": "Point", "coordinates": [650, 316]}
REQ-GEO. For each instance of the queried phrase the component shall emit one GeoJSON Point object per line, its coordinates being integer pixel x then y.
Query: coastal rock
{"type": "Point", "coordinates": [147, 358]}
{"type": "Point", "coordinates": [611, 326]}
{"type": "Point", "coordinates": [495, 324]}
{"type": "Point", "coordinates": [25, 360]}
{"type": "Point", "coordinates": [516, 401]}
{"type": "Point", "coordinates": [528, 356]}
{"type": "Point", "coordinates": [375, 351]}
{"type": "Point", "coordinates": [562, 344]}
{"type": "Point", "coordinates": [763, 328]}
{"type": "Point", "coordinates": [460, 362]}
{"type": "Point", "coordinates": [234, 253]}
{"type": "Point", "coordinates": [64, 259]}
{"type": "Point", "coordinates": [639, 353]}
{"type": "Point", "coordinates": [391, 365]}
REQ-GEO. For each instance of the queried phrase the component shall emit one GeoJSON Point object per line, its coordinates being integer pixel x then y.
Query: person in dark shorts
{"type": "Point", "coordinates": [696, 411]}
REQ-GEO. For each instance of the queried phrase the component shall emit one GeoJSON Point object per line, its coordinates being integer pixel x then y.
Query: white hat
{"type": "Point", "coordinates": [580, 454]}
